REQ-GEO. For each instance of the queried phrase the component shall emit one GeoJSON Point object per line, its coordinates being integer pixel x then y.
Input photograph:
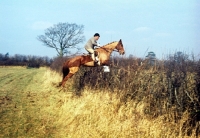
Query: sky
{"type": "Point", "coordinates": [161, 26]}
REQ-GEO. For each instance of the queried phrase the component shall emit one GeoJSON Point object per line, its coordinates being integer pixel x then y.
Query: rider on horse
{"type": "Point", "coordinates": [72, 65]}
{"type": "Point", "coordinates": [91, 43]}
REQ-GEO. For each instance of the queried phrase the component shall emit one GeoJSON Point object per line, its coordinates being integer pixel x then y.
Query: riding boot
{"type": "Point", "coordinates": [93, 58]}
{"type": "Point", "coordinates": [98, 63]}
{"type": "Point", "coordinates": [96, 59]}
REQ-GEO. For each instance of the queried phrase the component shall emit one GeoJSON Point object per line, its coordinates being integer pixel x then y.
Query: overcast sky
{"type": "Point", "coordinates": [161, 26]}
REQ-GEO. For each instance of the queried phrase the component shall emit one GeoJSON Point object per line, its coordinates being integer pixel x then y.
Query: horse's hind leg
{"type": "Point", "coordinates": [66, 78]}
{"type": "Point", "coordinates": [72, 71]}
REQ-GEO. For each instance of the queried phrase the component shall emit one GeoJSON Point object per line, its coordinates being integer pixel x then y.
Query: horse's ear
{"type": "Point", "coordinates": [120, 40]}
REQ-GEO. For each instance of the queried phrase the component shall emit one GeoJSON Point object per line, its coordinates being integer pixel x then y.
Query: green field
{"type": "Point", "coordinates": [22, 98]}
{"type": "Point", "coordinates": [32, 106]}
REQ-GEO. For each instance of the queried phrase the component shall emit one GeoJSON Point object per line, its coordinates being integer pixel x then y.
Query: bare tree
{"type": "Point", "coordinates": [63, 36]}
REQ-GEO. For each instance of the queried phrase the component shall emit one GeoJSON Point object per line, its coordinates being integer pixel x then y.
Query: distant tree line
{"type": "Point", "coordinates": [24, 60]}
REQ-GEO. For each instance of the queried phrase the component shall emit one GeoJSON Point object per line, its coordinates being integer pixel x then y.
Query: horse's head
{"type": "Point", "coordinates": [120, 48]}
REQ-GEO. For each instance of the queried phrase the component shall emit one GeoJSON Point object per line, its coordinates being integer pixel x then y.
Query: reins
{"type": "Point", "coordinates": [108, 50]}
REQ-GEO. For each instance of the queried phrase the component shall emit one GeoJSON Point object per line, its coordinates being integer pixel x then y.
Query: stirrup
{"type": "Point", "coordinates": [96, 59]}
{"type": "Point", "coordinates": [97, 62]}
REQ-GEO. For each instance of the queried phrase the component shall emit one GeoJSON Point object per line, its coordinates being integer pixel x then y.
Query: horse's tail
{"type": "Point", "coordinates": [65, 71]}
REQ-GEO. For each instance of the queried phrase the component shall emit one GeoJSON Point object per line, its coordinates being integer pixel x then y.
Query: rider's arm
{"type": "Point", "coordinates": [94, 42]}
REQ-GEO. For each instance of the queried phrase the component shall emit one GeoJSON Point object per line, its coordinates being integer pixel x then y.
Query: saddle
{"type": "Point", "coordinates": [96, 54]}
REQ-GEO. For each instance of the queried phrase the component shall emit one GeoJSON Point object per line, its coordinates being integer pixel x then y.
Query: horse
{"type": "Point", "coordinates": [72, 65]}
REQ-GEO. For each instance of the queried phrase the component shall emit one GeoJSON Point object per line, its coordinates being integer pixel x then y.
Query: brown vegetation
{"type": "Point", "coordinates": [171, 87]}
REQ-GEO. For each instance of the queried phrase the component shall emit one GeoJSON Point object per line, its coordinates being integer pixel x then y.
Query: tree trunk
{"type": "Point", "coordinates": [61, 54]}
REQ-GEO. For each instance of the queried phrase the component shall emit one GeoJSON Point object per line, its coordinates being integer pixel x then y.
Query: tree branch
{"type": "Point", "coordinates": [62, 36]}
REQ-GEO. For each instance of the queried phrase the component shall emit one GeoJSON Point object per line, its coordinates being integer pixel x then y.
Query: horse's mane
{"type": "Point", "coordinates": [109, 43]}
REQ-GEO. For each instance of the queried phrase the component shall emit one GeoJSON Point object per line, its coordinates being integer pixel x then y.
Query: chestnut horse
{"type": "Point", "coordinates": [71, 66]}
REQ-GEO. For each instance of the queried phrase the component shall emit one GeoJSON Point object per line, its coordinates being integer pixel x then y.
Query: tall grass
{"type": "Point", "coordinates": [169, 88]}
{"type": "Point", "coordinates": [101, 113]}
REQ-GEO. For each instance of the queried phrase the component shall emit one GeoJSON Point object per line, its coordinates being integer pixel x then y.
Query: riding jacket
{"type": "Point", "coordinates": [91, 43]}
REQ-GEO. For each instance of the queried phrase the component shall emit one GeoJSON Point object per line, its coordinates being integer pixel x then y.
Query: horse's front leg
{"type": "Point", "coordinates": [105, 63]}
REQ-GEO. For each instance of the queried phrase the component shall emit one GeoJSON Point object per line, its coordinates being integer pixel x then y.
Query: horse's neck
{"type": "Point", "coordinates": [110, 47]}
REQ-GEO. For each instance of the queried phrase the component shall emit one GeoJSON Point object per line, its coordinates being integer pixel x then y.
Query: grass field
{"type": "Point", "coordinates": [32, 106]}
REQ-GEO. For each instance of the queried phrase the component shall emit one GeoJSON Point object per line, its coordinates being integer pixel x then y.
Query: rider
{"type": "Point", "coordinates": [91, 43]}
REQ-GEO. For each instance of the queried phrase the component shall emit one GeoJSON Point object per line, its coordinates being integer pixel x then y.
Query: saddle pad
{"type": "Point", "coordinates": [86, 54]}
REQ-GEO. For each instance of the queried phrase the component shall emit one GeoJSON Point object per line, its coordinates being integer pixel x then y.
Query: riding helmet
{"type": "Point", "coordinates": [97, 34]}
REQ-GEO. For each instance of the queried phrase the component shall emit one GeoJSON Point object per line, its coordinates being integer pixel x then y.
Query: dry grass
{"type": "Point", "coordinates": [34, 107]}
{"type": "Point", "coordinates": [102, 115]}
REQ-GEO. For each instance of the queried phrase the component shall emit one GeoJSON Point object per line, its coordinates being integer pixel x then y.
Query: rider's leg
{"type": "Point", "coordinates": [96, 56]}
{"type": "Point", "coordinates": [91, 51]}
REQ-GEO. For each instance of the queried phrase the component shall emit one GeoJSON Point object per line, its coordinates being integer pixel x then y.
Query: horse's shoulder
{"type": "Point", "coordinates": [101, 49]}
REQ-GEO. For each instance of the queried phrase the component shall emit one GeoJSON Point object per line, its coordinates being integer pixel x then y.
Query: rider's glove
{"type": "Point", "coordinates": [98, 46]}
